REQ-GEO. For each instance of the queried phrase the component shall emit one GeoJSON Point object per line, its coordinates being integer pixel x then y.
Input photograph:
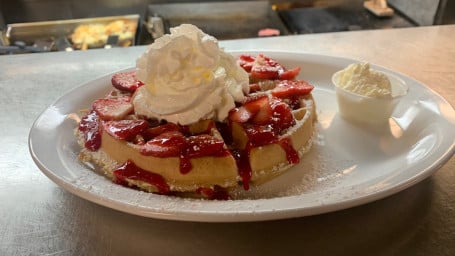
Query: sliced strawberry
{"type": "Point", "coordinates": [264, 72]}
{"type": "Point", "coordinates": [292, 88]}
{"type": "Point", "coordinates": [282, 115]}
{"type": "Point", "coordinates": [249, 109]}
{"type": "Point", "coordinates": [168, 144]}
{"type": "Point", "coordinates": [125, 129]}
{"type": "Point", "coordinates": [266, 68]}
{"type": "Point", "coordinates": [240, 115]}
{"type": "Point", "coordinates": [204, 145]}
{"type": "Point", "coordinates": [246, 62]}
{"type": "Point", "coordinates": [259, 135]}
{"type": "Point", "coordinates": [289, 74]}
{"type": "Point", "coordinates": [113, 109]}
{"type": "Point", "coordinates": [90, 127]}
{"type": "Point", "coordinates": [152, 132]}
{"type": "Point", "coordinates": [264, 60]}
{"type": "Point", "coordinates": [126, 81]}
{"type": "Point", "coordinates": [247, 58]}
{"type": "Point", "coordinates": [265, 113]}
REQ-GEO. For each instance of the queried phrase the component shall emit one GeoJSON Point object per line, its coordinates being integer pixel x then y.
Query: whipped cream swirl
{"type": "Point", "coordinates": [188, 78]}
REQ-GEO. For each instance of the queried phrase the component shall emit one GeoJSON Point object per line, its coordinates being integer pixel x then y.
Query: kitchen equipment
{"type": "Point", "coordinates": [53, 31]}
{"type": "Point", "coordinates": [223, 20]}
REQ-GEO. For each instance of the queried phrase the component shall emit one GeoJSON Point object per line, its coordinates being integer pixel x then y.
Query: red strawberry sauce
{"type": "Point", "coordinates": [90, 127]}
{"type": "Point", "coordinates": [130, 171]}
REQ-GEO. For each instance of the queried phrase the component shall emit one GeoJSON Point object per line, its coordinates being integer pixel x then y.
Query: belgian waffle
{"type": "Point", "coordinates": [262, 138]}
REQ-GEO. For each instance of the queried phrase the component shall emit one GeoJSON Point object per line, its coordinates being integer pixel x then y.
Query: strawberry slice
{"type": "Point", "coordinates": [113, 108]}
{"type": "Point", "coordinates": [126, 81]}
{"type": "Point", "coordinates": [246, 62]}
{"type": "Point", "coordinates": [249, 109]}
{"type": "Point", "coordinates": [265, 72]}
{"type": "Point", "coordinates": [265, 113]}
{"type": "Point", "coordinates": [125, 129]}
{"type": "Point", "coordinates": [152, 132]}
{"type": "Point", "coordinates": [266, 68]}
{"type": "Point", "coordinates": [282, 117]}
{"type": "Point", "coordinates": [289, 74]}
{"type": "Point", "coordinates": [90, 127]}
{"type": "Point", "coordinates": [168, 144]}
{"type": "Point", "coordinates": [240, 115]}
{"type": "Point", "coordinates": [260, 135]}
{"type": "Point", "coordinates": [204, 145]}
{"type": "Point", "coordinates": [292, 88]}
{"type": "Point", "coordinates": [263, 67]}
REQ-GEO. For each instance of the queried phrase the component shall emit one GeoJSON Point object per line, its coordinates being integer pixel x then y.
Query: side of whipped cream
{"type": "Point", "coordinates": [359, 78]}
{"type": "Point", "coordinates": [188, 78]}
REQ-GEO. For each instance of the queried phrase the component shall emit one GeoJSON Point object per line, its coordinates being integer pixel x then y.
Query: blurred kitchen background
{"type": "Point", "coordinates": [65, 25]}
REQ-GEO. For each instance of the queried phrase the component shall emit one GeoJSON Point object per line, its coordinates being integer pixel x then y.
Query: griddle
{"type": "Point", "coordinates": [223, 20]}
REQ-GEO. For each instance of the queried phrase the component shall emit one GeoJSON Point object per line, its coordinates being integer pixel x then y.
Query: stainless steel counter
{"type": "Point", "coordinates": [40, 218]}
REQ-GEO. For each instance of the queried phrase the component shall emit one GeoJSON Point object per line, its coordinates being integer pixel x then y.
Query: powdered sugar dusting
{"type": "Point", "coordinates": [318, 170]}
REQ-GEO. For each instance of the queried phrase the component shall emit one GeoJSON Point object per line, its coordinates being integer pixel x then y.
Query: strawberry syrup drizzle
{"type": "Point", "coordinates": [291, 154]}
{"type": "Point", "coordinates": [215, 193]}
{"type": "Point", "coordinates": [185, 164]}
{"type": "Point", "coordinates": [90, 127]}
{"type": "Point", "coordinates": [131, 171]}
{"type": "Point", "coordinates": [242, 158]}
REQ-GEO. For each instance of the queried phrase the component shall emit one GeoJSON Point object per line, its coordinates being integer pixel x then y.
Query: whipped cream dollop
{"type": "Point", "coordinates": [361, 79]}
{"type": "Point", "coordinates": [188, 78]}
{"type": "Point", "coordinates": [367, 96]}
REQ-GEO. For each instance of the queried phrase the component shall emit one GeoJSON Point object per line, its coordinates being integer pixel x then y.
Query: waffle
{"type": "Point", "coordinates": [262, 138]}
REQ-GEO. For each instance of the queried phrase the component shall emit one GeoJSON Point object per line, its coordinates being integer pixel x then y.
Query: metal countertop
{"type": "Point", "coordinates": [40, 218]}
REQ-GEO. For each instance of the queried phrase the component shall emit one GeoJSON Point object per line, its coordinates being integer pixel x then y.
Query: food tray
{"type": "Point", "coordinates": [30, 32]}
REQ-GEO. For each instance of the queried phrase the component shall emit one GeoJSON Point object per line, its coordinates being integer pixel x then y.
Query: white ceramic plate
{"type": "Point", "coordinates": [348, 165]}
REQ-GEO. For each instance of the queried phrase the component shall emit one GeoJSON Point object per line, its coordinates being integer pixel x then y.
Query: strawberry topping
{"type": "Point", "coordinates": [131, 171]}
{"type": "Point", "coordinates": [282, 117]}
{"type": "Point", "coordinates": [168, 144]}
{"type": "Point", "coordinates": [113, 108]}
{"type": "Point", "coordinates": [90, 127]}
{"type": "Point", "coordinates": [246, 62]}
{"type": "Point", "coordinates": [292, 88]}
{"type": "Point", "coordinates": [175, 144]}
{"type": "Point", "coordinates": [126, 81]}
{"type": "Point", "coordinates": [263, 67]}
{"type": "Point", "coordinates": [125, 129]}
{"type": "Point", "coordinates": [204, 145]}
{"type": "Point", "coordinates": [250, 109]}
{"type": "Point", "coordinates": [215, 193]}
{"type": "Point", "coordinates": [152, 132]}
